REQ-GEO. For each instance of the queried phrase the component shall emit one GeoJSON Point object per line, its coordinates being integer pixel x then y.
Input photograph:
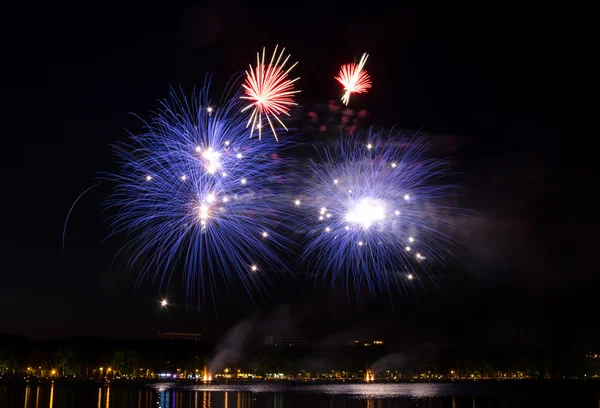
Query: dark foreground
{"type": "Point", "coordinates": [262, 395]}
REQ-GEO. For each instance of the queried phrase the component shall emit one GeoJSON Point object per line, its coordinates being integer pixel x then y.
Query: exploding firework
{"type": "Point", "coordinates": [196, 194]}
{"type": "Point", "coordinates": [374, 212]}
{"type": "Point", "coordinates": [354, 78]}
{"type": "Point", "coordinates": [270, 91]}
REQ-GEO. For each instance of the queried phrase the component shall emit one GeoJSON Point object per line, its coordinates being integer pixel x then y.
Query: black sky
{"type": "Point", "coordinates": [506, 80]}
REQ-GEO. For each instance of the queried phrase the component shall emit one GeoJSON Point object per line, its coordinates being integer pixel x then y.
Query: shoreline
{"type": "Point", "coordinates": [83, 382]}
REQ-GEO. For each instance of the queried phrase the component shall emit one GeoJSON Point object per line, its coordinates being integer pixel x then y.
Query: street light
{"type": "Point", "coordinates": [164, 303]}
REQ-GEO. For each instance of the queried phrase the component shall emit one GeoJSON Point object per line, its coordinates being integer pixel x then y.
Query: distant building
{"type": "Point", "coordinates": [179, 336]}
{"type": "Point", "coordinates": [284, 341]}
{"type": "Point", "coordinates": [365, 343]}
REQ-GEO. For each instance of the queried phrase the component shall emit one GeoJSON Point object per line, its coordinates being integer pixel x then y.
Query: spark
{"type": "Point", "coordinates": [354, 78]}
{"type": "Point", "coordinates": [269, 90]}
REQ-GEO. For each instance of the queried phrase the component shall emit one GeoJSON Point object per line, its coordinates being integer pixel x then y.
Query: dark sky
{"type": "Point", "coordinates": [505, 79]}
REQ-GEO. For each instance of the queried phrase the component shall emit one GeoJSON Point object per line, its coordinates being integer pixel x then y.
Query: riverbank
{"type": "Point", "coordinates": [136, 383]}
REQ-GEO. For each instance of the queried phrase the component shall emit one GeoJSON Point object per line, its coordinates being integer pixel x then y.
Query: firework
{"type": "Point", "coordinates": [374, 213]}
{"type": "Point", "coordinates": [270, 91]}
{"type": "Point", "coordinates": [354, 78]}
{"type": "Point", "coordinates": [196, 194]}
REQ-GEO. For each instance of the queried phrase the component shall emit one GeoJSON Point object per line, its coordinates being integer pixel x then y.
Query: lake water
{"type": "Point", "coordinates": [473, 395]}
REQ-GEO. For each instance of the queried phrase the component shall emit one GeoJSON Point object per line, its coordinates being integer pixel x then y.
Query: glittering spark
{"type": "Point", "coordinates": [270, 91]}
{"type": "Point", "coordinates": [196, 195]}
{"type": "Point", "coordinates": [366, 221]}
{"type": "Point", "coordinates": [354, 78]}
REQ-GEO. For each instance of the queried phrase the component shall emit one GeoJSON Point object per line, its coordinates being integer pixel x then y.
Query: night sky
{"type": "Point", "coordinates": [505, 81]}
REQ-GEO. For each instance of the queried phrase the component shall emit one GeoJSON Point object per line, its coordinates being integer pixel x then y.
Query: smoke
{"type": "Point", "coordinates": [231, 348]}
{"type": "Point", "coordinates": [281, 322]}
{"type": "Point", "coordinates": [405, 360]}
{"type": "Point", "coordinates": [232, 345]}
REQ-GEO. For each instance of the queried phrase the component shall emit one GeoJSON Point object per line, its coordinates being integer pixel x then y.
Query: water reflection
{"type": "Point", "coordinates": [27, 391]}
{"type": "Point", "coordinates": [206, 400]}
{"type": "Point", "coordinates": [243, 399]}
{"type": "Point", "coordinates": [275, 396]}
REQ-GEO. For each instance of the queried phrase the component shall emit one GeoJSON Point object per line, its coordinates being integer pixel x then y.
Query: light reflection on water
{"type": "Point", "coordinates": [265, 395]}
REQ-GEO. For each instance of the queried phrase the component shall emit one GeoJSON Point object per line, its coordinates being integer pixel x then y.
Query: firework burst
{"type": "Point", "coordinates": [354, 78]}
{"type": "Point", "coordinates": [196, 194]}
{"type": "Point", "coordinates": [270, 91]}
{"type": "Point", "coordinates": [373, 211]}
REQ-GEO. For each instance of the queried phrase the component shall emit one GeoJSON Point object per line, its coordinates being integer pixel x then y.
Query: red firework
{"type": "Point", "coordinates": [270, 91]}
{"type": "Point", "coordinates": [354, 78]}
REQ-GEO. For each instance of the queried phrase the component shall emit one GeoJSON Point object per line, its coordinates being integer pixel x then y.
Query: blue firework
{"type": "Point", "coordinates": [195, 194]}
{"type": "Point", "coordinates": [375, 212]}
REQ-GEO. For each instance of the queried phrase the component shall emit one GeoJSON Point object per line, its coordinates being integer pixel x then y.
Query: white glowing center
{"type": "Point", "coordinates": [366, 212]}
{"type": "Point", "coordinates": [212, 158]}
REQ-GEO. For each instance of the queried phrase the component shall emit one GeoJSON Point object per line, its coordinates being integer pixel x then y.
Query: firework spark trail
{"type": "Point", "coordinates": [270, 91]}
{"type": "Point", "coordinates": [374, 213]}
{"type": "Point", "coordinates": [196, 194]}
{"type": "Point", "coordinates": [354, 78]}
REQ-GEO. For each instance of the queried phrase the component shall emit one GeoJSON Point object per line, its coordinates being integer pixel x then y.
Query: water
{"type": "Point", "coordinates": [479, 395]}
